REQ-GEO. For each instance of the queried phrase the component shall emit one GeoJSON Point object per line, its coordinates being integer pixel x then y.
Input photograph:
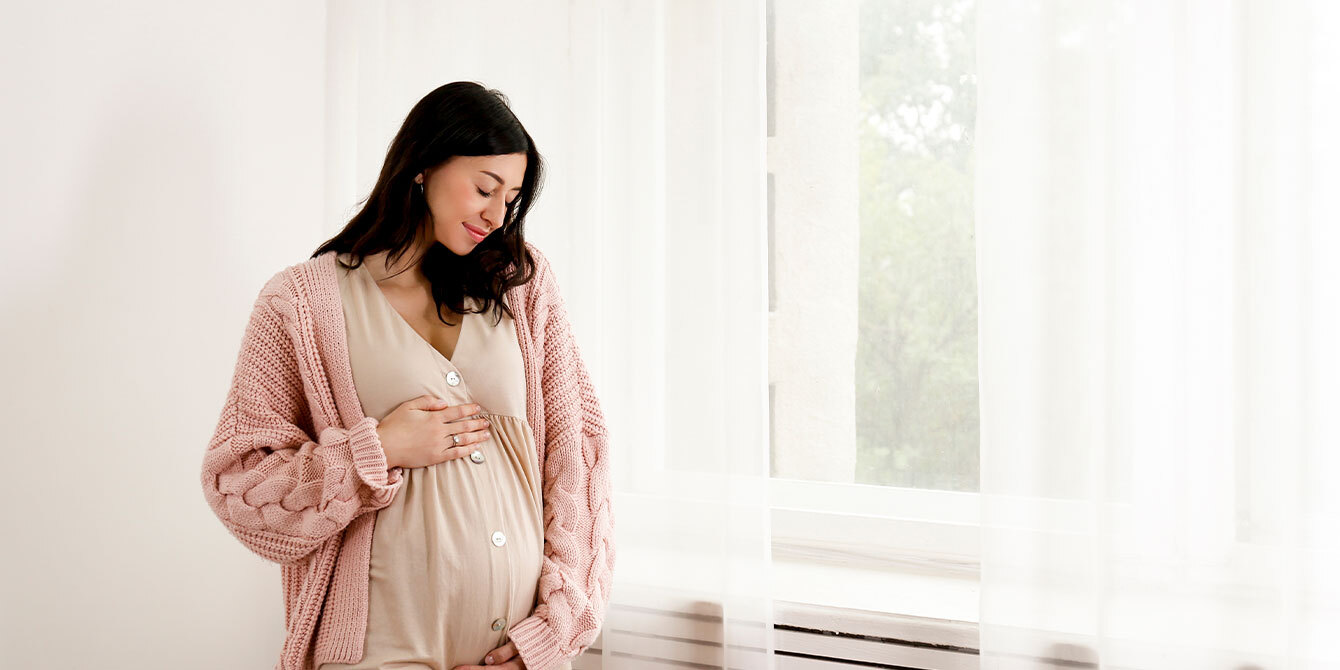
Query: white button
{"type": "Point", "coordinates": [453, 378]}
{"type": "Point", "coordinates": [499, 623]}
{"type": "Point", "coordinates": [498, 538]}
{"type": "Point", "coordinates": [477, 456]}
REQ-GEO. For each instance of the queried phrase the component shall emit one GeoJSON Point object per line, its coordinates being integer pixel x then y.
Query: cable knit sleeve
{"type": "Point", "coordinates": [278, 490]}
{"type": "Point", "coordinates": [578, 563]}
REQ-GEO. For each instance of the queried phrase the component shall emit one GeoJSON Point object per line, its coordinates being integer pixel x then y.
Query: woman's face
{"type": "Point", "coordinates": [468, 197]}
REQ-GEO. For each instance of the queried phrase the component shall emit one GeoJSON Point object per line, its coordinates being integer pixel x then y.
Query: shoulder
{"type": "Point", "coordinates": [538, 297]}
{"type": "Point", "coordinates": [295, 287]}
{"type": "Point", "coordinates": [542, 266]}
{"type": "Point", "coordinates": [541, 287]}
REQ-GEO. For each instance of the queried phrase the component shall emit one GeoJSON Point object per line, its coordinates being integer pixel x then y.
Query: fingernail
{"type": "Point", "coordinates": [488, 659]}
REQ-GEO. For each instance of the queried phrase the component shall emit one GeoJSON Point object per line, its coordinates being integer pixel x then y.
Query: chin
{"type": "Point", "coordinates": [461, 246]}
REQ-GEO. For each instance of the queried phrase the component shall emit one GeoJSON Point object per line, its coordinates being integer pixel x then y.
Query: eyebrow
{"type": "Point", "coordinates": [515, 188]}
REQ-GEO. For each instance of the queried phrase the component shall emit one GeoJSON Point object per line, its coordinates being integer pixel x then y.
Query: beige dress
{"type": "Point", "coordinates": [456, 556]}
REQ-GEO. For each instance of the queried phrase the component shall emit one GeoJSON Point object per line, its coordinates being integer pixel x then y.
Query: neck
{"type": "Point", "coordinates": [405, 273]}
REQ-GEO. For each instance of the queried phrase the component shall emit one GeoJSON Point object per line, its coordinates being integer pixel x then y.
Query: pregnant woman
{"type": "Point", "coordinates": [411, 432]}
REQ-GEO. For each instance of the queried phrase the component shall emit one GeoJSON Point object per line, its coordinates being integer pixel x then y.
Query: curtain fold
{"type": "Point", "coordinates": [652, 117]}
{"type": "Point", "coordinates": [1156, 232]}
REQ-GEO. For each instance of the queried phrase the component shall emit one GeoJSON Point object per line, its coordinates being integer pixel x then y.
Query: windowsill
{"type": "Point", "coordinates": [884, 550]}
{"type": "Point", "coordinates": [947, 597]}
{"type": "Point", "coordinates": [917, 572]}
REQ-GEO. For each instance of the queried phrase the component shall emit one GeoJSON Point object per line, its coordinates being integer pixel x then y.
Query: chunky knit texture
{"type": "Point", "coordinates": [296, 472]}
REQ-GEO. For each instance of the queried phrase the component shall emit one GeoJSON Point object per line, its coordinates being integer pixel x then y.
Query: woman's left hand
{"type": "Point", "coordinates": [504, 657]}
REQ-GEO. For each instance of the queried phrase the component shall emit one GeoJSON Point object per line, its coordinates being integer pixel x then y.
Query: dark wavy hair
{"type": "Point", "coordinates": [462, 118]}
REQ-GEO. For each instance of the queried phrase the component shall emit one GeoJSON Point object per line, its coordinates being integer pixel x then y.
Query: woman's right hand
{"type": "Point", "coordinates": [419, 432]}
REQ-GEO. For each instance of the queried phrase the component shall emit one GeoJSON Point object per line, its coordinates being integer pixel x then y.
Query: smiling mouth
{"type": "Point", "coordinates": [475, 233]}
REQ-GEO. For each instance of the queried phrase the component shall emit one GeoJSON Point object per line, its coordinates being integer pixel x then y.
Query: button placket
{"type": "Point", "coordinates": [456, 380]}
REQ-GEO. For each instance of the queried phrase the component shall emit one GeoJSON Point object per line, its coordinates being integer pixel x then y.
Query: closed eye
{"type": "Point", "coordinates": [490, 195]}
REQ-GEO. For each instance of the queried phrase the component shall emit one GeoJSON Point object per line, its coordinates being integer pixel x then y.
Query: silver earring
{"type": "Point", "coordinates": [420, 188]}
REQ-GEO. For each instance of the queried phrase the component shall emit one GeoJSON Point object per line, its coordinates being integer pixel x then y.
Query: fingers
{"type": "Point", "coordinates": [471, 431]}
{"type": "Point", "coordinates": [455, 412]}
{"type": "Point", "coordinates": [502, 658]}
{"type": "Point", "coordinates": [514, 664]}
{"type": "Point", "coordinates": [502, 655]}
{"type": "Point", "coordinates": [466, 438]}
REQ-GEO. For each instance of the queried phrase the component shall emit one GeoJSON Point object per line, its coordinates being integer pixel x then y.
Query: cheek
{"type": "Point", "coordinates": [447, 205]}
{"type": "Point", "coordinates": [462, 200]}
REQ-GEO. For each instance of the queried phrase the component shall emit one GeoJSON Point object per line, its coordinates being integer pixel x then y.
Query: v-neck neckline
{"type": "Point", "coordinates": [386, 303]}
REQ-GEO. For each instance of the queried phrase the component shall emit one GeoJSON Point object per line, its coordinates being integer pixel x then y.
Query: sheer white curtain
{"type": "Point", "coordinates": [652, 117]}
{"type": "Point", "coordinates": [1157, 240]}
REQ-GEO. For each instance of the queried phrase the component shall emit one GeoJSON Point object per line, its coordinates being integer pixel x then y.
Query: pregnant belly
{"type": "Point", "coordinates": [461, 531]}
{"type": "Point", "coordinates": [455, 558]}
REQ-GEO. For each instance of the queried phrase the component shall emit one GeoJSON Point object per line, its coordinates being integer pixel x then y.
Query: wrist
{"type": "Point", "coordinates": [390, 463]}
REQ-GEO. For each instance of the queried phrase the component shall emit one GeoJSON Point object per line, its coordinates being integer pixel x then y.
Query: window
{"type": "Point", "coordinates": [916, 343]}
{"type": "Point", "coordinates": [873, 332]}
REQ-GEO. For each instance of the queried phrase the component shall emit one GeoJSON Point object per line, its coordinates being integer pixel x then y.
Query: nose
{"type": "Point", "coordinates": [494, 212]}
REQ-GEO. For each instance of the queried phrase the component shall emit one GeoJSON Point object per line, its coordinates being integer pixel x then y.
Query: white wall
{"type": "Point", "coordinates": [158, 161]}
{"type": "Point", "coordinates": [161, 160]}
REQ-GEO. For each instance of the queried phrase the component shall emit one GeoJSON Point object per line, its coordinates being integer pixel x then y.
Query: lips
{"type": "Point", "coordinates": [475, 233]}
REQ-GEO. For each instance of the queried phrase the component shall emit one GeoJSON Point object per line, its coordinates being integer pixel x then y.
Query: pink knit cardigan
{"type": "Point", "coordinates": [296, 472]}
